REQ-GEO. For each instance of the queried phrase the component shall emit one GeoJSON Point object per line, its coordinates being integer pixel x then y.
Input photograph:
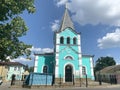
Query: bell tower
{"type": "Point", "coordinates": [67, 50]}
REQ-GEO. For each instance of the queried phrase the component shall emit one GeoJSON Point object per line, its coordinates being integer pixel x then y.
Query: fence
{"type": "Point", "coordinates": [49, 79]}
{"type": "Point", "coordinates": [107, 78]}
{"type": "Point", "coordinates": [38, 79]}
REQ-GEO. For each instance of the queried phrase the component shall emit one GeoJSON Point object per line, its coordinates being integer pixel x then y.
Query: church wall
{"type": "Point", "coordinates": [47, 60]}
{"type": "Point", "coordinates": [87, 64]}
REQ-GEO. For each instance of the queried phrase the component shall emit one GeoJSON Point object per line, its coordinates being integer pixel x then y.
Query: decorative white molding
{"type": "Point", "coordinates": [56, 71]}
{"type": "Point", "coordinates": [36, 64]}
{"type": "Point", "coordinates": [57, 48]}
{"type": "Point", "coordinates": [79, 49]}
{"type": "Point", "coordinates": [79, 40]}
{"type": "Point", "coordinates": [57, 39]}
{"type": "Point", "coordinates": [80, 63]}
{"type": "Point", "coordinates": [80, 55]}
{"type": "Point", "coordinates": [70, 56]}
{"type": "Point", "coordinates": [57, 56]}
{"type": "Point", "coordinates": [91, 65]}
{"type": "Point", "coordinates": [56, 65]}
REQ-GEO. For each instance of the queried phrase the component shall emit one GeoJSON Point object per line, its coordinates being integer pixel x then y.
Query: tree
{"type": "Point", "coordinates": [26, 67]}
{"type": "Point", "coordinates": [103, 62]}
{"type": "Point", "coordinates": [12, 27]}
{"type": "Point", "coordinates": [31, 69]}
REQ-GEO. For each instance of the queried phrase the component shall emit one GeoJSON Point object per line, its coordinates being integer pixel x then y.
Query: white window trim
{"type": "Point", "coordinates": [47, 68]}
{"type": "Point", "coordinates": [64, 70]}
{"type": "Point", "coordinates": [67, 56]}
{"type": "Point", "coordinates": [85, 68]}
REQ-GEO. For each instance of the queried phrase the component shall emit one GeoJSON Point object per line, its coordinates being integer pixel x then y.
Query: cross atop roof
{"type": "Point", "coordinates": [66, 5]}
{"type": "Point", "coordinates": [66, 20]}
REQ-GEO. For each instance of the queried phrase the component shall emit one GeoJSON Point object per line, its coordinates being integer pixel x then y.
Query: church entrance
{"type": "Point", "coordinates": [68, 73]}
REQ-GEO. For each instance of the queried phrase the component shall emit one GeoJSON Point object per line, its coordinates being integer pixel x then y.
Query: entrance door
{"type": "Point", "coordinates": [68, 73]}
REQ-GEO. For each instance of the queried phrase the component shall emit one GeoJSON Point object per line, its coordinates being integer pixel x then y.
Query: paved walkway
{"type": "Point", "coordinates": [7, 86]}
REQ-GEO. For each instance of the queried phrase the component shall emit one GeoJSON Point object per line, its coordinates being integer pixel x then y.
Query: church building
{"type": "Point", "coordinates": [66, 62]}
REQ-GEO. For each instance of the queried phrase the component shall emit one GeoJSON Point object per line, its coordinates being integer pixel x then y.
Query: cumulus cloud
{"type": "Point", "coordinates": [110, 40]}
{"type": "Point", "coordinates": [61, 2]}
{"type": "Point", "coordinates": [94, 11]}
{"type": "Point", "coordinates": [55, 25]}
{"type": "Point", "coordinates": [22, 59]}
{"type": "Point", "coordinates": [47, 50]}
{"type": "Point", "coordinates": [41, 50]}
{"type": "Point", "coordinates": [33, 49]}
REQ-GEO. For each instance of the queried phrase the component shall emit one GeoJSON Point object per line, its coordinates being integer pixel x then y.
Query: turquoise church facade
{"type": "Point", "coordinates": [66, 62]}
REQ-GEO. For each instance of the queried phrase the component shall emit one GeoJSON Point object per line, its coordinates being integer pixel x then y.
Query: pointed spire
{"type": "Point", "coordinates": [66, 6]}
{"type": "Point", "coordinates": [66, 21]}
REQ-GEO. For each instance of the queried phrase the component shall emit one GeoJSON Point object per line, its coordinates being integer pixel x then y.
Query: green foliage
{"type": "Point", "coordinates": [103, 62]}
{"type": "Point", "coordinates": [31, 69]}
{"type": "Point", "coordinates": [9, 8]}
{"type": "Point", "coordinates": [12, 26]}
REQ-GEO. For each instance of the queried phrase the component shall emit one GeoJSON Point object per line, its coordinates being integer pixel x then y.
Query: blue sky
{"type": "Point", "coordinates": [98, 21]}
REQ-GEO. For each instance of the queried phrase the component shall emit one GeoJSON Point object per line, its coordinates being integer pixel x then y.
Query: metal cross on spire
{"type": "Point", "coordinates": [66, 21]}
{"type": "Point", "coordinates": [66, 5]}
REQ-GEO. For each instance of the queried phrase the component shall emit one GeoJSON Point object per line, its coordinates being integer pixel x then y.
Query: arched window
{"type": "Point", "coordinates": [61, 40]}
{"type": "Point", "coordinates": [74, 40]}
{"type": "Point", "coordinates": [83, 70]}
{"type": "Point", "coordinates": [45, 69]}
{"type": "Point", "coordinates": [69, 58]}
{"type": "Point", "coordinates": [68, 40]}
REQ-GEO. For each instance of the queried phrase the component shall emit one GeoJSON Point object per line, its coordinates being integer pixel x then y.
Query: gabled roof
{"type": "Point", "coordinates": [111, 69]}
{"type": "Point", "coordinates": [44, 54]}
{"type": "Point", "coordinates": [66, 21]}
{"type": "Point", "coordinates": [84, 55]}
{"type": "Point", "coordinates": [11, 64]}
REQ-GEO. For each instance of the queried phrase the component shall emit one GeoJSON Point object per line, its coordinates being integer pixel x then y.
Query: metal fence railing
{"type": "Point", "coordinates": [112, 79]}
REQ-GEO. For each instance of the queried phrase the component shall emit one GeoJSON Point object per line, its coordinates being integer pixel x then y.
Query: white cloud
{"type": "Point", "coordinates": [55, 25]}
{"type": "Point", "coordinates": [21, 59]}
{"type": "Point", "coordinates": [110, 40]}
{"type": "Point", "coordinates": [61, 2]}
{"type": "Point", "coordinates": [94, 11]}
{"type": "Point", "coordinates": [33, 49]}
{"type": "Point", "coordinates": [47, 50]}
{"type": "Point", "coordinates": [41, 50]}
{"type": "Point", "coordinates": [24, 61]}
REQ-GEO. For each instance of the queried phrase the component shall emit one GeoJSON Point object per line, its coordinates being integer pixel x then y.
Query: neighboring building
{"type": "Point", "coordinates": [66, 62]}
{"type": "Point", "coordinates": [3, 71]}
{"type": "Point", "coordinates": [7, 69]}
{"type": "Point", "coordinates": [26, 73]}
{"type": "Point", "coordinates": [109, 74]}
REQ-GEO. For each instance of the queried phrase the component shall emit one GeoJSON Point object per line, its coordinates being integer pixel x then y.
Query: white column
{"type": "Point", "coordinates": [91, 66]}
{"type": "Point", "coordinates": [57, 56]}
{"type": "Point", "coordinates": [36, 63]}
{"type": "Point", "coordinates": [80, 55]}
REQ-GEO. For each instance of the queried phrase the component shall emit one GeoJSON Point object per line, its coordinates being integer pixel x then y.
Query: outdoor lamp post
{"type": "Point", "coordinates": [53, 63]}
{"type": "Point", "coordinates": [100, 81]}
{"type": "Point", "coordinates": [86, 80]}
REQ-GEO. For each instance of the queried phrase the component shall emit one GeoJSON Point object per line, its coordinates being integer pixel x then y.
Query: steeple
{"type": "Point", "coordinates": [66, 21]}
